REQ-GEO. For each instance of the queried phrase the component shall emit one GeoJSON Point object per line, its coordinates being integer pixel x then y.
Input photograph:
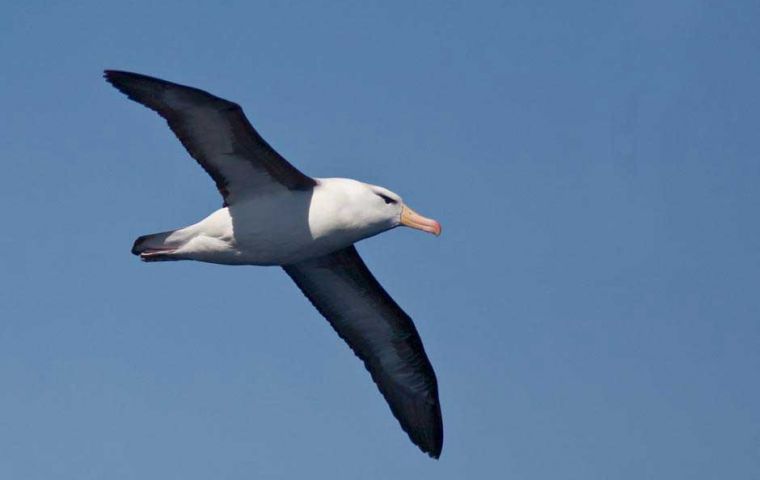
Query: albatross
{"type": "Point", "coordinates": [275, 215]}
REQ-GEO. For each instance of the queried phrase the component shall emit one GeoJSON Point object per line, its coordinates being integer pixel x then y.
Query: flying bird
{"type": "Point", "coordinates": [275, 215]}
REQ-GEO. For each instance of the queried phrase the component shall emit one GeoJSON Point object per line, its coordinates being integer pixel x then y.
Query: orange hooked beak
{"type": "Point", "coordinates": [410, 218]}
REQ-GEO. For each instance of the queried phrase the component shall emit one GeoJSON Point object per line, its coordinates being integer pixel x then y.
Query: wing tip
{"type": "Point", "coordinates": [423, 426]}
{"type": "Point", "coordinates": [435, 452]}
{"type": "Point", "coordinates": [111, 76]}
{"type": "Point", "coordinates": [148, 90]}
{"type": "Point", "coordinates": [124, 81]}
{"type": "Point", "coordinates": [117, 76]}
{"type": "Point", "coordinates": [430, 441]}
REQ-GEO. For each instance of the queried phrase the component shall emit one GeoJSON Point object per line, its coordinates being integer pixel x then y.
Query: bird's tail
{"type": "Point", "coordinates": [157, 247]}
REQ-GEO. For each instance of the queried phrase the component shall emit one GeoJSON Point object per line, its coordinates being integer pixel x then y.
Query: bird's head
{"type": "Point", "coordinates": [390, 207]}
{"type": "Point", "coordinates": [363, 210]}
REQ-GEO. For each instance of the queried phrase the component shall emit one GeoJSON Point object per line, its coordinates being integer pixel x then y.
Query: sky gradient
{"type": "Point", "coordinates": [591, 309]}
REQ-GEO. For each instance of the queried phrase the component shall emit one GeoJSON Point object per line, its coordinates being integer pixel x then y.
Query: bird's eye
{"type": "Point", "coordinates": [387, 200]}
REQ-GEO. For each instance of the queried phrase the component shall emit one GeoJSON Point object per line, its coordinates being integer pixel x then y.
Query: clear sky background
{"type": "Point", "coordinates": [591, 309]}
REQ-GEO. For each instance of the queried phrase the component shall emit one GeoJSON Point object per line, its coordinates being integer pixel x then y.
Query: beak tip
{"type": "Point", "coordinates": [410, 218]}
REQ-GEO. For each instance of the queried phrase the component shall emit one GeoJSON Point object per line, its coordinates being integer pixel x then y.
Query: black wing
{"type": "Point", "coordinates": [380, 333]}
{"type": "Point", "coordinates": [217, 134]}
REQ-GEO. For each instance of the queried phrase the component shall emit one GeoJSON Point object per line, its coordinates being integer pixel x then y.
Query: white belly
{"type": "Point", "coordinates": [272, 230]}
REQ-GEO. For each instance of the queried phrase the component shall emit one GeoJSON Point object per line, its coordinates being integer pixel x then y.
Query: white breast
{"type": "Point", "coordinates": [281, 228]}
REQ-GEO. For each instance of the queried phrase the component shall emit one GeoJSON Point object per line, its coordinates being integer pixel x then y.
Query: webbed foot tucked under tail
{"type": "Point", "coordinates": [155, 247]}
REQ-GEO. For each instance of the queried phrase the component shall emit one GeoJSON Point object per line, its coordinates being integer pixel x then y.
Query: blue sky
{"type": "Point", "coordinates": [591, 308]}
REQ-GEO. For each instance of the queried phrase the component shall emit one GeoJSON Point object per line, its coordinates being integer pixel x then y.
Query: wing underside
{"type": "Point", "coordinates": [217, 134]}
{"type": "Point", "coordinates": [381, 334]}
